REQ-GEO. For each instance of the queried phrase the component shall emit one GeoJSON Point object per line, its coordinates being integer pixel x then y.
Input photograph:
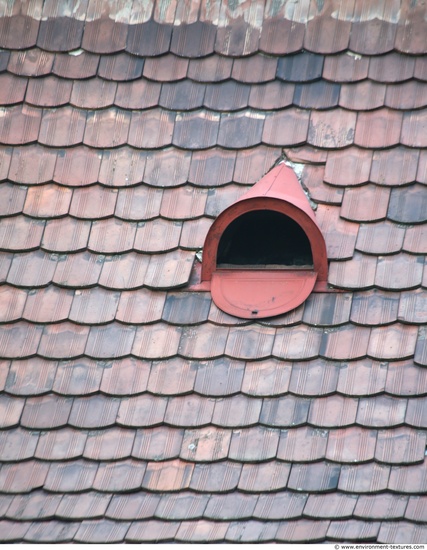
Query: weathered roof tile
{"type": "Point", "coordinates": [243, 449]}
{"type": "Point", "coordinates": [337, 505]}
{"type": "Point", "coordinates": [33, 62]}
{"type": "Point", "coordinates": [217, 477]}
{"type": "Point", "coordinates": [264, 476]}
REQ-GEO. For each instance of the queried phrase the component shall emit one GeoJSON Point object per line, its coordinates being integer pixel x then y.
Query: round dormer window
{"type": "Point", "coordinates": [264, 254]}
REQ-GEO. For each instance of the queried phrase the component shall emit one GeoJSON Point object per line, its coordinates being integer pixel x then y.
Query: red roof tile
{"type": "Point", "coordinates": [363, 377]}
{"type": "Point", "coordinates": [201, 531]}
{"type": "Point", "coordinates": [416, 509]}
{"type": "Point", "coordinates": [182, 96]}
{"type": "Point", "coordinates": [288, 127]}
{"type": "Point", "coordinates": [29, 377]}
{"type": "Point", "coordinates": [267, 476]}
{"type": "Point", "coordinates": [364, 478]}
{"type": "Point", "coordinates": [251, 531]}
{"type": "Point", "coordinates": [407, 205]}
{"type": "Point", "coordinates": [92, 94]}
{"type": "Point", "coordinates": [62, 127]}
{"type": "Point", "coordinates": [19, 125]}
{"type": "Point", "coordinates": [325, 34]}
{"type": "Point", "coordinates": [333, 411]}
{"type": "Point", "coordinates": [23, 477]}
{"type": "Point", "coordinates": [205, 444]}
{"type": "Point", "coordinates": [314, 378]}
{"type": "Point", "coordinates": [408, 272]}
{"type": "Point", "coordinates": [12, 303]}
{"type": "Point", "coordinates": [266, 378]}
{"type": "Point", "coordinates": [332, 506]}
{"type": "Point", "coordinates": [48, 411]}
{"type": "Point", "coordinates": [362, 96]}
{"type": "Point", "coordinates": [101, 530]}
{"type": "Point", "coordinates": [12, 89]}
{"type": "Point", "coordinates": [83, 505]}
{"type": "Point", "coordinates": [132, 506]}
{"type": "Point", "coordinates": [166, 68]}
{"type": "Point", "coordinates": [171, 476]}
{"type": "Point", "coordinates": [317, 95]}
{"type": "Point", "coordinates": [367, 203]}
{"type": "Point", "coordinates": [193, 40]}
{"type": "Point", "coordinates": [94, 306]}
{"type": "Point", "coordinates": [17, 445]}
{"type": "Point", "coordinates": [149, 38]}
{"type": "Point", "coordinates": [241, 130]}
{"type": "Point", "coordinates": [153, 530]}
{"type": "Point", "coordinates": [409, 479]}
{"type": "Point", "coordinates": [19, 340]}
{"type": "Point", "coordinates": [137, 94]}
{"type": "Point", "coordinates": [210, 69]}
{"type": "Point", "coordinates": [61, 531]}
{"type": "Point", "coordinates": [353, 530]}
{"type": "Point", "coordinates": [374, 308]}
{"type": "Point", "coordinates": [197, 130]}
{"type": "Point", "coordinates": [218, 477]}
{"type": "Point", "coordinates": [401, 377]}
{"type": "Point", "coordinates": [142, 306]}
{"type": "Point", "coordinates": [160, 443]}
{"type": "Point", "coordinates": [236, 411]}
{"type": "Point", "coordinates": [109, 444]}
{"type": "Point", "coordinates": [65, 235]}
{"type": "Point", "coordinates": [346, 67]}
{"type": "Point", "coordinates": [58, 31]}
{"type": "Point", "coordinates": [332, 129]}
{"type": "Point", "coordinates": [378, 129]}
{"type": "Point", "coordinates": [120, 67]}
{"type": "Point", "coordinates": [60, 444]}
{"type": "Point", "coordinates": [284, 411]}
{"type": "Point", "coordinates": [253, 444]}
{"type": "Point", "coordinates": [301, 531]}
{"type": "Point", "coordinates": [412, 306]}
{"type": "Point", "coordinates": [63, 341]}
{"type": "Point", "coordinates": [380, 411]}
{"type": "Point", "coordinates": [48, 305]}
{"type": "Point", "coordinates": [158, 128]}
{"type": "Point", "coordinates": [401, 532]}
{"type": "Point", "coordinates": [409, 95]}
{"type": "Point", "coordinates": [34, 505]}
{"type": "Point", "coordinates": [32, 62]}
{"type": "Point", "coordinates": [319, 476]}
{"type": "Point", "coordinates": [98, 410]}
{"type": "Point", "coordinates": [381, 506]}
{"type": "Point", "coordinates": [48, 91]}
{"type": "Point", "coordinates": [22, 234]}
{"type": "Point", "coordinates": [125, 376]}
{"type": "Point", "coordinates": [380, 238]}
{"type": "Point", "coordinates": [143, 410]}
{"type": "Point", "coordinates": [12, 198]}
{"type": "Point", "coordinates": [372, 37]}
{"type": "Point", "coordinates": [304, 444]}
{"type": "Point", "coordinates": [14, 530]}
{"type": "Point", "coordinates": [230, 506]}
{"type": "Point", "coordinates": [77, 65]}
{"type": "Point", "coordinates": [272, 95]}
{"type": "Point", "coordinates": [76, 166]}
{"type": "Point", "coordinates": [281, 36]}
{"type": "Point", "coordinates": [78, 377]}
{"type": "Point", "coordinates": [400, 446]}
{"type": "Point", "coordinates": [351, 445]}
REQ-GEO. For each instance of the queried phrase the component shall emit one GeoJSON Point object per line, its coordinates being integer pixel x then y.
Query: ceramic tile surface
{"type": "Point", "coordinates": [132, 409]}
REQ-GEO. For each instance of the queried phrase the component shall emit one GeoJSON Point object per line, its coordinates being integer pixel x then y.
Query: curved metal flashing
{"type": "Point", "coordinates": [255, 291]}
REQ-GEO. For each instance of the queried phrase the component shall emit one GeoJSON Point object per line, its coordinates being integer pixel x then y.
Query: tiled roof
{"type": "Point", "coordinates": [131, 408]}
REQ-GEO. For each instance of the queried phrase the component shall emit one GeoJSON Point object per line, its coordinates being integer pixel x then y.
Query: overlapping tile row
{"type": "Point", "coordinates": [202, 129]}
{"type": "Point", "coordinates": [204, 28]}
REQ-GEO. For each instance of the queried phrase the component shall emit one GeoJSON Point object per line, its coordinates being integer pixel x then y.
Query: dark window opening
{"type": "Point", "coordinates": [264, 238]}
